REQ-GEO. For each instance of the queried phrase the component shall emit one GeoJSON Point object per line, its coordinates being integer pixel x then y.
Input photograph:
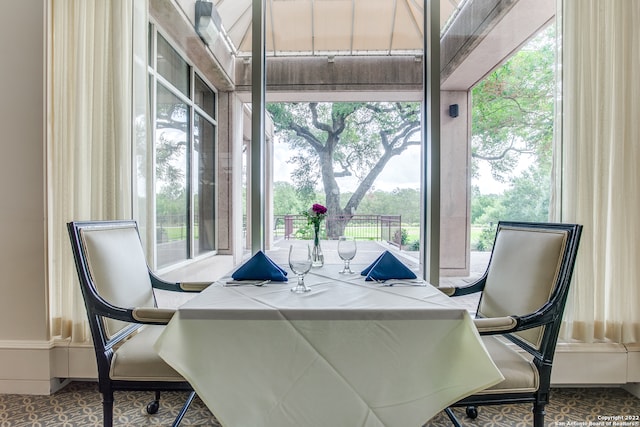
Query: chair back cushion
{"type": "Point", "coordinates": [118, 268]}
{"type": "Point", "coordinates": [522, 274]}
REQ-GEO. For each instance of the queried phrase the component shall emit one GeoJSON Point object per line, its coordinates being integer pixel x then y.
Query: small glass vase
{"type": "Point", "coordinates": [317, 258]}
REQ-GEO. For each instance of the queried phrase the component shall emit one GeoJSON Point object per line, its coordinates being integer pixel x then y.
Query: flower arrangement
{"type": "Point", "coordinates": [315, 215]}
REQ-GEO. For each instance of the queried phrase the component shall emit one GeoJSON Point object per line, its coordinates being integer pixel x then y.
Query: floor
{"type": "Point", "coordinates": [78, 405]}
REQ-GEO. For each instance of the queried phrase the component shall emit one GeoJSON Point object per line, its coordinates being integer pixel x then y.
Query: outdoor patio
{"type": "Point", "coordinates": [368, 250]}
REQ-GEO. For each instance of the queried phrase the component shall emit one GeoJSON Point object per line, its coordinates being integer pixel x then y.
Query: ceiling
{"type": "Point", "coordinates": [332, 27]}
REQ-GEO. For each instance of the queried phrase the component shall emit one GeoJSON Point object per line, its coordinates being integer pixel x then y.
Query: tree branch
{"type": "Point", "coordinates": [503, 154]}
{"type": "Point", "coordinates": [305, 133]}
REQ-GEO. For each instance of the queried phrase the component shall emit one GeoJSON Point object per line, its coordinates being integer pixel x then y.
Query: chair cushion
{"type": "Point", "coordinates": [519, 372]}
{"type": "Point", "coordinates": [118, 268]}
{"type": "Point", "coordinates": [522, 274]}
{"type": "Point", "coordinates": [136, 359]}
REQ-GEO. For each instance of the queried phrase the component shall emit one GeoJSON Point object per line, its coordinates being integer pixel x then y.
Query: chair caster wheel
{"type": "Point", "coordinates": [152, 407]}
{"type": "Point", "coordinates": [472, 412]}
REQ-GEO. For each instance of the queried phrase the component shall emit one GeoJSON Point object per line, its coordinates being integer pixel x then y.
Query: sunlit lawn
{"type": "Point", "coordinates": [174, 233]}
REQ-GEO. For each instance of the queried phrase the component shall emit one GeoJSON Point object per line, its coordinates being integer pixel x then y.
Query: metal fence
{"type": "Point", "coordinates": [391, 229]}
{"type": "Point", "coordinates": [361, 227]}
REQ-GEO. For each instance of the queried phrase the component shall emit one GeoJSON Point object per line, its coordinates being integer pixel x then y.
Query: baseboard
{"type": "Point", "coordinates": [42, 367]}
{"type": "Point", "coordinates": [633, 369]}
{"type": "Point", "coordinates": [25, 387]}
{"type": "Point", "coordinates": [26, 364]}
{"type": "Point", "coordinates": [25, 367]}
{"type": "Point", "coordinates": [633, 388]}
{"type": "Point", "coordinates": [590, 364]}
{"type": "Point", "coordinates": [633, 365]}
{"type": "Point", "coordinates": [74, 360]}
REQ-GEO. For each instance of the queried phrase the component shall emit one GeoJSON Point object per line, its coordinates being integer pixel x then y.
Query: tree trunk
{"type": "Point", "coordinates": [334, 228]}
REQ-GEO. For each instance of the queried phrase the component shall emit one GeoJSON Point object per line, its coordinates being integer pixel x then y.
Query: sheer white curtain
{"type": "Point", "coordinates": [89, 145]}
{"type": "Point", "coordinates": [599, 163]}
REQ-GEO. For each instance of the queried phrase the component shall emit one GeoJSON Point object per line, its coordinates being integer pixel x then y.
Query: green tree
{"type": "Point", "coordinates": [481, 203]}
{"type": "Point", "coordinates": [285, 199]}
{"type": "Point", "coordinates": [513, 108]}
{"type": "Point", "coordinates": [171, 201]}
{"type": "Point", "coordinates": [513, 116]}
{"type": "Point", "coordinates": [493, 213]}
{"type": "Point", "coordinates": [528, 197]}
{"type": "Point", "coordinates": [335, 140]}
{"type": "Point", "coordinates": [405, 200]}
{"type": "Point", "coordinates": [170, 163]}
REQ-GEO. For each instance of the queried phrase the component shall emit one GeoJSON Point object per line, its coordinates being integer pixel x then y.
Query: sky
{"type": "Point", "coordinates": [402, 171]}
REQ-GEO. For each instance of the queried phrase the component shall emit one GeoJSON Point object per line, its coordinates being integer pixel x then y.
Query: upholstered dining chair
{"type": "Point", "coordinates": [124, 319]}
{"type": "Point", "coordinates": [523, 294]}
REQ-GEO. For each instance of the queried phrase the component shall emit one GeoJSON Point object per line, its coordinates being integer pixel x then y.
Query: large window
{"type": "Point", "coordinates": [360, 159]}
{"type": "Point", "coordinates": [512, 138]}
{"type": "Point", "coordinates": [184, 134]}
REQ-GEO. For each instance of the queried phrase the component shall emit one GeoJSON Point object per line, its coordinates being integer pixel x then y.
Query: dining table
{"type": "Point", "coordinates": [349, 352]}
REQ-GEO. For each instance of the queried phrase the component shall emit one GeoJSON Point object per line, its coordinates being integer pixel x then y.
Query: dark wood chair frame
{"type": "Point", "coordinates": [549, 315]}
{"type": "Point", "coordinates": [97, 308]}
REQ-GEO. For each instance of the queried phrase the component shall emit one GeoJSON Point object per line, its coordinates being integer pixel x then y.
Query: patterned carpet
{"type": "Point", "coordinates": [79, 405]}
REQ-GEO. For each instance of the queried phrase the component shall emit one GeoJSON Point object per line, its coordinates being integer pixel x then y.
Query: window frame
{"type": "Point", "coordinates": [155, 79]}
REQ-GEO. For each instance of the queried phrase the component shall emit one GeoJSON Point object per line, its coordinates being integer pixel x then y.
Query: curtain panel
{"type": "Point", "coordinates": [89, 145]}
{"type": "Point", "coordinates": [600, 176]}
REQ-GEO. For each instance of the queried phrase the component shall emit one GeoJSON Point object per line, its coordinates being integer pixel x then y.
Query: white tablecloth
{"type": "Point", "coordinates": [348, 353]}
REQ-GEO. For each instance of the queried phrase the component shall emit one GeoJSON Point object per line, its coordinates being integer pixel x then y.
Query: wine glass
{"type": "Point", "coordinates": [347, 251]}
{"type": "Point", "coordinates": [300, 264]}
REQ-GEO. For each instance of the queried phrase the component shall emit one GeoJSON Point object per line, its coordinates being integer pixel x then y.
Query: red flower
{"type": "Point", "coordinates": [315, 215]}
{"type": "Point", "coordinates": [318, 209]}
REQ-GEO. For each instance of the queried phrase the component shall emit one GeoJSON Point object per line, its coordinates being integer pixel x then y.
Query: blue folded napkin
{"type": "Point", "coordinates": [260, 267]}
{"type": "Point", "coordinates": [387, 267]}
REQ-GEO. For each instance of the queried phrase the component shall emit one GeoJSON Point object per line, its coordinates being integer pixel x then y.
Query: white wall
{"type": "Point", "coordinates": [23, 301]}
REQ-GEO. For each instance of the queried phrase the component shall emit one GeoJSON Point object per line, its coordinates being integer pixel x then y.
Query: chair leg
{"type": "Point", "coordinates": [472, 412]}
{"type": "Point", "coordinates": [452, 417]}
{"type": "Point", "coordinates": [538, 414]}
{"type": "Point", "coordinates": [183, 411]}
{"type": "Point", "coordinates": [107, 409]}
{"type": "Point", "coordinates": [154, 405]}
